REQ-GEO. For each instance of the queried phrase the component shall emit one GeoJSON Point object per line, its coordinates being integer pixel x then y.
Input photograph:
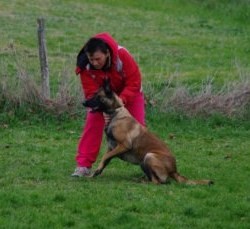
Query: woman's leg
{"type": "Point", "coordinates": [137, 108]}
{"type": "Point", "coordinates": [91, 139]}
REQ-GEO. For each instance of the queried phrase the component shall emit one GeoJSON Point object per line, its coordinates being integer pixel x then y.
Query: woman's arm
{"type": "Point", "coordinates": [132, 76]}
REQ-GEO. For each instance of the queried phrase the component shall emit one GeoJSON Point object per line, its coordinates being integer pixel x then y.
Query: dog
{"type": "Point", "coordinates": [130, 141]}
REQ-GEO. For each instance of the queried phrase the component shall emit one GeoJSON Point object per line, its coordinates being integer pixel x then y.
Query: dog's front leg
{"type": "Point", "coordinates": [119, 149]}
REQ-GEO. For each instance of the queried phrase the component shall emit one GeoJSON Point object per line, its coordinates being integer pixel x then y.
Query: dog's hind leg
{"type": "Point", "coordinates": [154, 169]}
{"type": "Point", "coordinates": [119, 149]}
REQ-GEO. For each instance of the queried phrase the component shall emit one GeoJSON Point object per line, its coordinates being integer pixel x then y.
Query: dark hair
{"type": "Point", "coordinates": [96, 44]}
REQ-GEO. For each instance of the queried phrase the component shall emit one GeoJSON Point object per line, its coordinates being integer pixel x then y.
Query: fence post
{"type": "Point", "coordinates": [43, 59]}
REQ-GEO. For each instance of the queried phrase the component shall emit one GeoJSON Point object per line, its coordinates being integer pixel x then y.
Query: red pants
{"type": "Point", "coordinates": [90, 142]}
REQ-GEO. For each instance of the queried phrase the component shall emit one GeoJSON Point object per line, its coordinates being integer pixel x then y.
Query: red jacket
{"type": "Point", "coordinates": [124, 74]}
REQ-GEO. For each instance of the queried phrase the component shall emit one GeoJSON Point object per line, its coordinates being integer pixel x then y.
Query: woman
{"type": "Point", "coordinates": [101, 58]}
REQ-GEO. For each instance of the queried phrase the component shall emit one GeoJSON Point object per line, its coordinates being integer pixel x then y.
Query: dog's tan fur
{"type": "Point", "coordinates": [132, 142]}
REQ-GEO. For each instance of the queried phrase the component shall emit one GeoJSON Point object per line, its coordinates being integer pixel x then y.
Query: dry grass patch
{"type": "Point", "coordinates": [231, 100]}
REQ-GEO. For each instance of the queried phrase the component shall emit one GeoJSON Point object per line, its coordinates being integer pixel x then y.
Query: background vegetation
{"type": "Point", "coordinates": [181, 47]}
{"type": "Point", "coordinates": [191, 53]}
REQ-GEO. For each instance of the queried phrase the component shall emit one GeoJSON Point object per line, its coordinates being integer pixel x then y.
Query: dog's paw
{"type": "Point", "coordinates": [96, 173]}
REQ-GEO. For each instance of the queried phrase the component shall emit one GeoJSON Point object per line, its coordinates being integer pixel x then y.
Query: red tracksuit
{"type": "Point", "coordinates": [125, 79]}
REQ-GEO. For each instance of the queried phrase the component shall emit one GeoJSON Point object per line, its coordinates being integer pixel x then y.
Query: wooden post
{"type": "Point", "coordinates": [43, 59]}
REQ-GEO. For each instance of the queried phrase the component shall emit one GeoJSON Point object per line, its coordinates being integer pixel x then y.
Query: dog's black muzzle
{"type": "Point", "coordinates": [93, 103]}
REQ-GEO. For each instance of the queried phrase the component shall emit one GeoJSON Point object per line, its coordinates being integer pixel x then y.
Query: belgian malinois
{"type": "Point", "coordinates": [132, 142]}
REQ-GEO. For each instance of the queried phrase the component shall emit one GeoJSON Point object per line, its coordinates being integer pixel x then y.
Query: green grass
{"type": "Point", "coordinates": [38, 192]}
{"type": "Point", "coordinates": [192, 40]}
{"type": "Point", "coordinates": [195, 39]}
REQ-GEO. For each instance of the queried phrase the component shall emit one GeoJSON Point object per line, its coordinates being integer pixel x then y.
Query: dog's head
{"type": "Point", "coordinates": [104, 100]}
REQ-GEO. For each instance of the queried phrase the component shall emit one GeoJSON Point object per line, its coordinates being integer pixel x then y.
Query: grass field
{"type": "Point", "coordinates": [191, 40]}
{"type": "Point", "coordinates": [194, 39]}
{"type": "Point", "coordinates": [37, 191]}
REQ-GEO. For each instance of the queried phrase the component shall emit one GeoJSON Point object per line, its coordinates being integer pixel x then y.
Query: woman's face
{"type": "Point", "coordinates": [98, 59]}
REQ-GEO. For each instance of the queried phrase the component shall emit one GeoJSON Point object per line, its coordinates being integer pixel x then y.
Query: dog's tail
{"type": "Point", "coordinates": [182, 179]}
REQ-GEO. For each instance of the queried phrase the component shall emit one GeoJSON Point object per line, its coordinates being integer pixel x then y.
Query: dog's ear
{"type": "Point", "coordinates": [107, 88]}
